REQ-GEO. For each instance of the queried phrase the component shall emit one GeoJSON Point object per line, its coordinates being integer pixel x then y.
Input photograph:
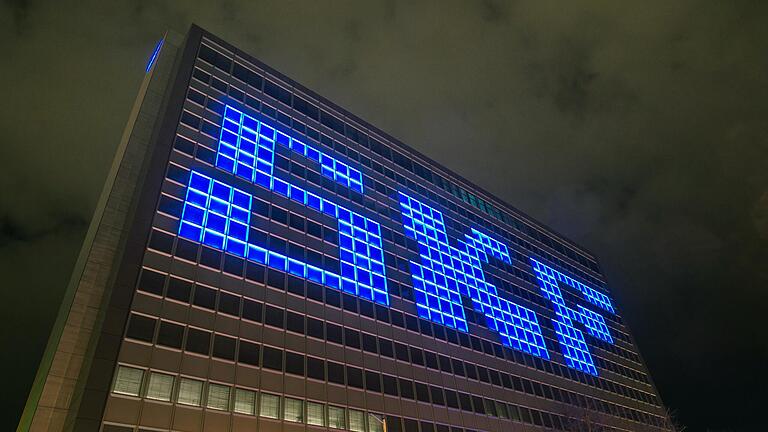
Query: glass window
{"type": "Point", "coordinates": [356, 421]}
{"type": "Point", "coordinates": [315, 414]}
{"type": "Point", "coordinates": [375, 423]}
{"type": "Point", "coordinates": [245, 401]}
{"type": "Point", "coordinates": [128, 380]}
{"type": "Point", "coordinates": [160, 386]}
{"type": "Point", "coordinates": [218, 397]}
{"type": "Point", "coordinates": [190, 392]}
{"type": "Point", "coordinates": [293, 410]}
{"type": "Point", "coordinates": [336, 418]}
{"type": "Point", "coordinates": [270, 406]}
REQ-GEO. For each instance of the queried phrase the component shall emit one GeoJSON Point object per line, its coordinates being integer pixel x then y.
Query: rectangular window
{"type": "Point", "coordinates": [245, 401]}
{"type": "Point", "coordinates": [218, 397]}
{"type": "Point", "coordinates": [356, 421]}
{"type": "Point", "coordinates": [160, 386]}
{"type": "Point", "coordinates": [294, 410]}
{"type": "Point", "coordinates": [190, 392]}
{"type": "Point", "coordinates": [336, 418]}
{"type": "Point", "coordinates": [128, 380]}
{"type": "Point", "coordinates": [270, 406]}
{"type": "Point", "coordinates": [315, 414]}
{"type": "Point", "coordinates": [375, 423]}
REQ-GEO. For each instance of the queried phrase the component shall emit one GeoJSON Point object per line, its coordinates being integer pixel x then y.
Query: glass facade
{"type": "Point", "coordinates": [302, 269]}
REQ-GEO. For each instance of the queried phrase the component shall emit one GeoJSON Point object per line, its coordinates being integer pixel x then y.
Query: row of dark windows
{"type": "Point", "coordinates": [305, 107]}
{"type": "Point", "coordinates": [181, 290]}
{"type": "Point", "coordinates": [219, 346]}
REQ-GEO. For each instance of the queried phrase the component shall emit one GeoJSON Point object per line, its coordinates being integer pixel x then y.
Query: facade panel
{"type": "Point", "coordinates": [304, 270]}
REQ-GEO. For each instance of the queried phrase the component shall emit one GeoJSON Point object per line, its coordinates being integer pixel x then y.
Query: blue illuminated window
{"type": "Point", "coordinates": [247, 146]}
{"type": "Point", "coordinates": [446, 273]}
{"type": "Point", "coordinates": [246, 149]}
{"type": "Point", "coordinates": [572, 343]}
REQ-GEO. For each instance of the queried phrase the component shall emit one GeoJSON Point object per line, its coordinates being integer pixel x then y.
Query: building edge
{"type": "Point", "coordinates": [65, 376]}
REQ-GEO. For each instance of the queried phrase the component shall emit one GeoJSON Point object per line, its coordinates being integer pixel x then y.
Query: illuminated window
{"type": "Point", "coordinates": [269, 406]}
{"type": "Point", "coordinates": [128, 380]}
{"type": "Point", "coordinates": [190, 392]}
{"type": "Point", "coordinates": [218, 397]}
{"type": "Point", "coordinates": [356, 421]}
{"type": "Point", "coordinates": [572, 343]}
{"type": "Point", "coordinates": [218, 215]}
{"type": "Point", "coordinates": [315, 414]}
{"type": "Point", "coordinates": [293, 410]}
{"type": "Point", "coordinates": [160, 386]}
{"type": "Point", "coordinates": [245, 401]}
{"type": "Point", "coordinates": [336, 418]}
{"type": "Point", "coordinates": [446, 273]}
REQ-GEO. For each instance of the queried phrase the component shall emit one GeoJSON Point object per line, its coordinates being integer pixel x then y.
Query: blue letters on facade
{"type": "Point", "coordinates": [218, 215]}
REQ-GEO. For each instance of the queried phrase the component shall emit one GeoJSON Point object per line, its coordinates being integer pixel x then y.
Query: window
{"type": "Point", "coordinates": [198, 341]}
{"type": "Point", "coordinates": [356, 421]}
{"type": "Point", "coordinates": [336, 418]}
{"type": "Point", "coordinates": [128, 380]}
{"type": "Point", "coordinates": [190, 392]}
{"type": "Point", "coordinates": [245, 401]}
{"type": "Point", "coordinates": [141, 328]}
{"type": "Point", "coordinates": [170, 334]}
{"type": "Point", "coordinates": [249, 353]}
{"type": "Point", "coordinates": [224, 347]}
{"type": "Point", "coordinates": [375, 423]}
{"type": "Point", "coordinates": [294, 363]}
{"type": "Point", "coordinates": [316, 368]}
{"type": "Point", "coordinates": [294, 410]}
{"type": "Point", "coordinates": [218, 397]}
{"type": "Point", "coordinates": [270, 406]}
{"type": "Point", "coordinates": [315, 414]}
{"type": "Point", "coordinates": [273, 358]}
{"type": "Point", "coordinates": [160, 386]}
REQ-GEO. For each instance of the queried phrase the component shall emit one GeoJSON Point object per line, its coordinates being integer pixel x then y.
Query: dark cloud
{"type": "Point", "coordinates": [636, 130]}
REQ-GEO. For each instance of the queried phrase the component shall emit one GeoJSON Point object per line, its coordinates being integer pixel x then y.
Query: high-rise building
{"type": "Point", "coordinates": [262, 259]}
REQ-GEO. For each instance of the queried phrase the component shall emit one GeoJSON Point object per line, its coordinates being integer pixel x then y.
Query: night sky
{"type": "Point", "coordinates": [638, 131]}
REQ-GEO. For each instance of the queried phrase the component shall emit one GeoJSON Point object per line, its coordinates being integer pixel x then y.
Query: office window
{"type": "Point", "coordinates": [356, 421]}
{"type": "Point", "coordinates": [294, 363]}
{"type": "Point", "coordinates": [190, 392]}
{"type": "Point", "coordinates": [336, 418]}
{"type": "Point", "coordinates": [294, 410]}
{"type": "Point", "coordinates": [170, 335]}
{"type": "Point", "coordinates": [273, 358]}
{"type": "Point", "coordinates": [335, 373]}
{"type": "Point", "coordinates": [270, 406]}
{"type": "Point", "coordinates": [160, 386]}
{"type": "Point", "coordinates": [315, 414]}
{"type": "Point", "coordinates": [316, 368]}
{"type": "Point", "coordinates": [198, 341]}
{"type": "Point", "coordinates": [245, 401]}
{"type": "Point", "coordinates": [218, 397]}
{"type": "Point", "coordinates": [141, 327]}
{"type": "Point", "coordinates": [375, 423]}
{"type": "Point", "coordinates": [224, 347]}
{"type": "Point", "coordinates": [128, 380]}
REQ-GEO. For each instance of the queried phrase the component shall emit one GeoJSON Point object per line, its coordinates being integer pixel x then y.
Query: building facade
{"type": "Point", "coordinates": [262, 259]}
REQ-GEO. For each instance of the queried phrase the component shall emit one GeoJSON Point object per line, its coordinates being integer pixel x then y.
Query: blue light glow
{"type": "Point", "coordinates": [572, 343]}
{"type": "Point", "coordinates": [153, 57]}
{"type": "Point", "coordinates": [247, 147]}
{"type": "Point", "coordinates": [446, 273]}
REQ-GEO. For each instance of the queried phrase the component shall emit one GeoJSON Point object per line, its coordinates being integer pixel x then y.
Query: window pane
{"type": "Point", "coordinates": [160, 386]}
{"type": "Point", "coordinates": [190, 392]}
{"type": "Point", "coordinates": [218, 397]}
{"type": "Point", "coordinates": [336, 418]}
{"type": "Point", "coordinates": [375, 423]}
{"type": "Point", "coordinates": [270, 406]}
{"type": "Point", "coordinates": [128, 380]}
{"type": "Point", "coordinates": [315, 414]}
{"type": "Point", "coordinates": [294, 410]}
{"type": "Point", "coordinates": [356, 421]}
{"type": "Point", "coordinates": [245, 401]}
